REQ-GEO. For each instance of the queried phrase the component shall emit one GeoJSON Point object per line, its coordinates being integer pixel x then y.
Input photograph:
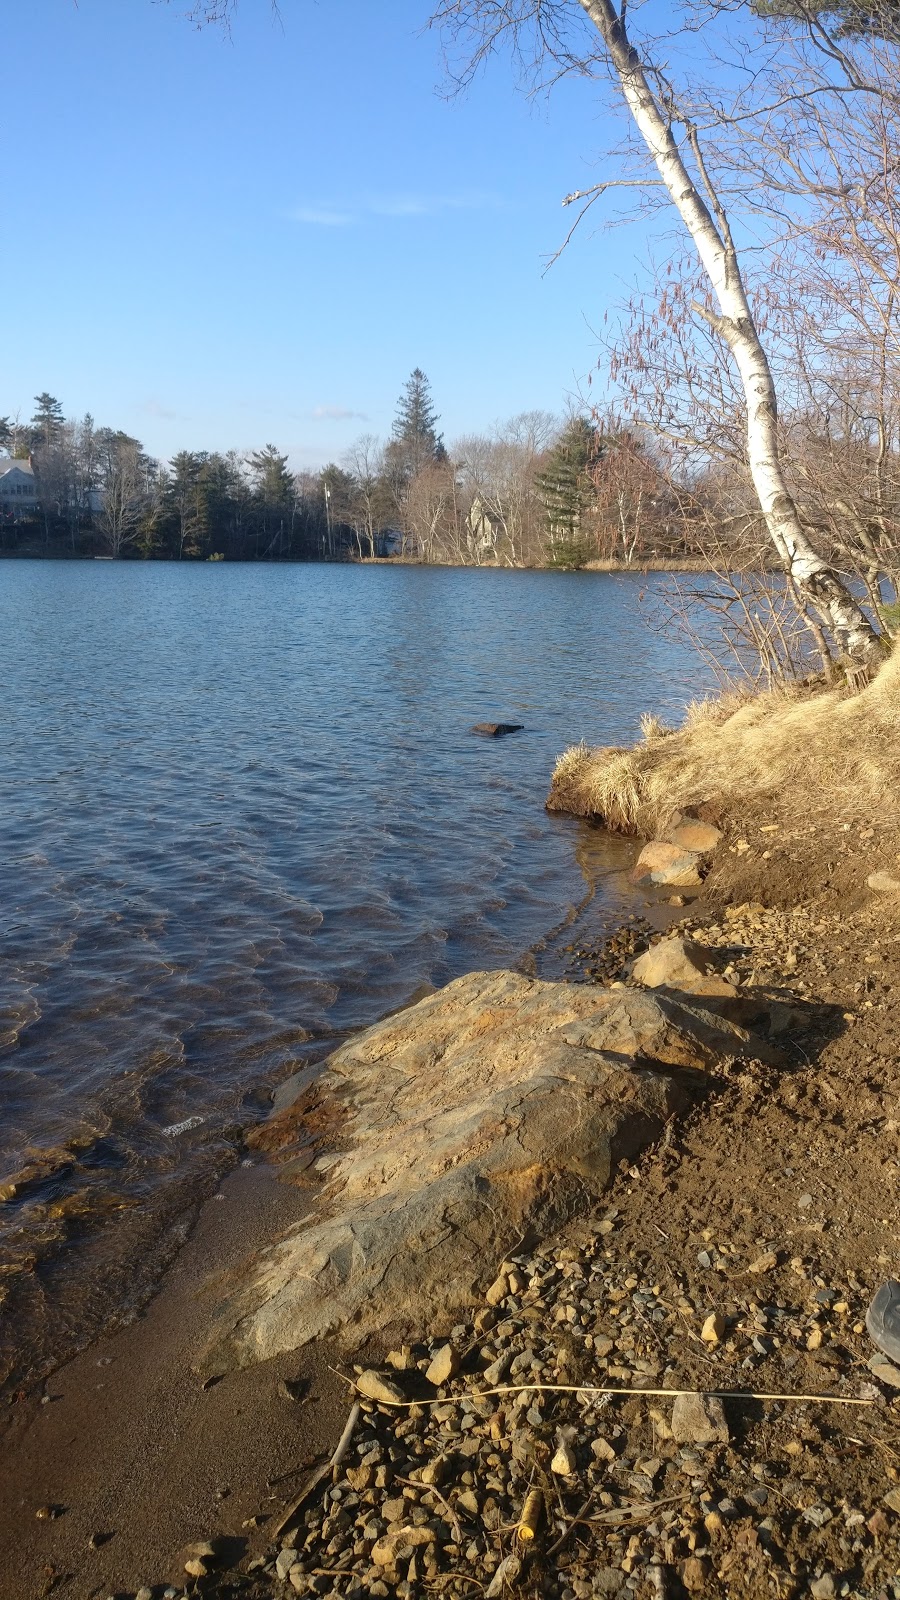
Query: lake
{"type": "Point", "coordinates": [242, 814]}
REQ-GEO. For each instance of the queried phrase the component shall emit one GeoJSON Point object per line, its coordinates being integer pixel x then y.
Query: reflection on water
{"type": "Point", "coordinates": [242, 813]}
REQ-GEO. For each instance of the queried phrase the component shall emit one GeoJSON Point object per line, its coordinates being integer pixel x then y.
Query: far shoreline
{"type": "Point", "coordinates": [637, 569]}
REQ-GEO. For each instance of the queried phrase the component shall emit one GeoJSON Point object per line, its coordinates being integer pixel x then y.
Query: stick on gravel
{"type": "Point", "coordinates": [588, 1389]}
{"type": "Point", "coordinates": [322, 1472]}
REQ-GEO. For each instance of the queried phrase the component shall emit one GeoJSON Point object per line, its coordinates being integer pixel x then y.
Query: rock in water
{"type": "Point", "coordinates": [667, 863]}
{"type": "Point", "coordinates": [496, 1105]}
{"type": "Point", "coordinates": [496, 730]}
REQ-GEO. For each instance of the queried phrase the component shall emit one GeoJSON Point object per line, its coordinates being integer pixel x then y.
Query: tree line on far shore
{"type": "Point", "coordinates": [535, 491]}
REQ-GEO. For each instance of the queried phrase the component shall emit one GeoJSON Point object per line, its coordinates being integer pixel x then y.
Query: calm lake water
{"type": "Point", "coordinates": [243, 813]}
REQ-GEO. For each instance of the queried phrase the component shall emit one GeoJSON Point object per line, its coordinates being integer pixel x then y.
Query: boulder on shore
{"type": "Point", "coordinates": [664, 863]}
{"type": "Point", "coordinates": [692, 835]}
{"type": "Point", "coordinates": [498, 1105]}
{"type": "Point", "coordinates": [682, 964]}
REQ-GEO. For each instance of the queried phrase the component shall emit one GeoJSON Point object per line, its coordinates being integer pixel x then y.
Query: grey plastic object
{"type": "Point", "coordinates": [883, 1319]}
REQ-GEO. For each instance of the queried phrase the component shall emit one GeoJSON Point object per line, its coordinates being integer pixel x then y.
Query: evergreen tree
{"type": "Point", "coordinates": [186, 501]}
{"type": "Point", "coordinates": [47, 422]}
{"type": "Point", "coordinates": [415, 441]}
{"type": "Point", "coordinates": [565, 487]}
{"type": "Point", "coordinates": [275, 499]}
{"type": "Point", "coordinates": [274, 481]}
{"type": "Point", "coordinates": [6, 433]}
{"type": "Point", "coordinates": [227, 498]}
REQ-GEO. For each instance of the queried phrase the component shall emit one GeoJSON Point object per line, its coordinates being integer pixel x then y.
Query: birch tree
{"type": "Point", "coordinates": [671, 141]}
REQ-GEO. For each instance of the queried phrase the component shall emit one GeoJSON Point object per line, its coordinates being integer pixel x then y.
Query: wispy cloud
{"type": "Point", "coordinates": [321, 216]}
{"type": "Point", "coordinates": [154, 408]}
{"type": "Point", "coordinates": [398, 206]}
{"type": "Point", "coordinates": [421, 205]}
{"type": "Point", "coordinates": [336, 414]}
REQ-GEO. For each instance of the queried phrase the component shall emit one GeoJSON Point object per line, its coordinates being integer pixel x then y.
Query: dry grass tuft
{"type": "Point", "coordinates": [792, 746]}
{"type": "Point", "coordinates": [652, 727]}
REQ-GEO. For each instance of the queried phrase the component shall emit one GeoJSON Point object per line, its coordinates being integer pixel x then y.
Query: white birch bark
{"type": "Point", "coordinates": [815, 579]}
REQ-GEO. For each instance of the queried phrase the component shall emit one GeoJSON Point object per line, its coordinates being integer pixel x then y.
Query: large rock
{"type": "Point", "coordinates": [691, 835]}
{"type": "Point", "coordinates": [678, 963]}
{"type": "Point", "coordinates": [671, 864]}
{"type": "Point", "coordinates": [497, 1105]}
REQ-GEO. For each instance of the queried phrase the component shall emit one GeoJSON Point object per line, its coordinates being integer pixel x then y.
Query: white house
{"type": "Point", "coordinates": [18, 490]}
{"type": "Point", "coordinates": [482, 527]}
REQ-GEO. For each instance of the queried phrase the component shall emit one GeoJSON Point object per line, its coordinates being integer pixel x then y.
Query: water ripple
{"type": "Point", "coordinates": [242, 814]}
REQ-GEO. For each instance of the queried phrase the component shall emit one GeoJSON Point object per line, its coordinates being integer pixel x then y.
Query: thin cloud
{"type": "Point", "coordinates": [401, 205]}
{"type": "Point", "coordinates": [337, 414]}
{"type": "Point", "coordinates": [153, 408]}
{"type": "Point", "coordinates": [418, 205]}
{"type": "Point", "coordinates": [321, 217]}
{"type": "Point", "coordinates": [397, 206]}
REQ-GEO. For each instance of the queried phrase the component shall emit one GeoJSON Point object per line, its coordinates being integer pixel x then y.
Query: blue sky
{"type": "Point", "coordinates": [224, 242]}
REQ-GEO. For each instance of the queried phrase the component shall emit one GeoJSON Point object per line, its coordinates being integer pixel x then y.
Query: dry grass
{"type": "Point", "coordinates": [790, 746]}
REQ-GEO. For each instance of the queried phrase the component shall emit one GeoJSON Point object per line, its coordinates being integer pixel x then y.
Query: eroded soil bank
{"type": "Point", "coordinates": [738, 1253]}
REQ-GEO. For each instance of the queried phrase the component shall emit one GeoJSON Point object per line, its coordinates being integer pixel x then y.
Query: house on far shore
{"type": "Point", "coordinates": [483, 525]}
{"type": "Point", "coordinates": [18, 490]}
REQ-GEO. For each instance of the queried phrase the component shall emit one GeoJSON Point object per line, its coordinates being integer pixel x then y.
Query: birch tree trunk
{"type": "Point", "coordinates": [817, 582]}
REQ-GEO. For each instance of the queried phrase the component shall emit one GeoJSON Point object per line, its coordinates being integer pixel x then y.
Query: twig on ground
{"type": "Point", "coordinates": [590, 1389]}
{"type": "Point", "coordinates": [432, 1489]}
{"type": "Point", "coordinates": [635, 1513]}
{"type": "Point", "coordinates": [578, 1517]}
{"type": "Point", "coordinates": [322, 1472]}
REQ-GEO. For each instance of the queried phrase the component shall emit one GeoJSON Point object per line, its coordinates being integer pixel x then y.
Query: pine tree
{"type": "Point", "coordinates": [565, 486]}
{"type": "Point", "coordinates": [275, 501]}
{"type": "Point", "coordinates": [274, 480]}
{"type": "Point", "coordinates": [186, 502]}
{"type": "Point", "coordinates": [47, 422]}
{"type": "Point", "coordinates": [415, 441]}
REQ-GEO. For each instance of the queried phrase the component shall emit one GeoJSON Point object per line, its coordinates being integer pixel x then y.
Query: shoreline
{"type": "Point", "coordinates": [791, 1167]}
{"type": "Point", "coordinates": [45, 1464]}
{"type": "Point", "coordinates": [132, 1450]}
{"type": "Point", "coordinates": [654, 564]}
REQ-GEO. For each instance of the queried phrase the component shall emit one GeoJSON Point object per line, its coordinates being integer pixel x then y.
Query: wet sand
{"type": "Point", "coordinates": [136, 1454]}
